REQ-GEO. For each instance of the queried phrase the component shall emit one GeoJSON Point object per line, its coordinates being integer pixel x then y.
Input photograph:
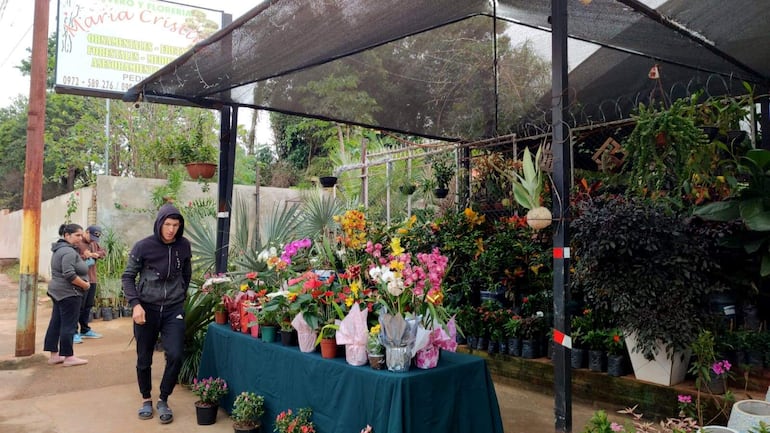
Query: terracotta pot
{"type": "Point", "coordinates": [220, 317]}
{"type": "Point", "coordinates": [329, 348]}
{"type": "Point", "coordinates": [201, 170]}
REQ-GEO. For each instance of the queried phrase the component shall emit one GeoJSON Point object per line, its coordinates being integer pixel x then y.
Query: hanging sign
{"type": "Point", "coordinates": [105, 47]}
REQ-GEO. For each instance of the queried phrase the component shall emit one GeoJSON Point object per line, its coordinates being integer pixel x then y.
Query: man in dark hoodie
{"type": "Point", "coordinates": [162, 264]}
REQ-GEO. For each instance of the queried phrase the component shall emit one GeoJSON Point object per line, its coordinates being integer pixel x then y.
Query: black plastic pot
{"type": "Point", "coordinates": [578, 358]}
{"type": "Point", "coordinates": [597, 360]}
{"type": "Point", "coordinates": [327, 181]}
{"type": "Point", "coordinates": [616, 365]}
{"type": "Point", "coordinates": [440, 192]}
{"type": "Point", "coordinates": [514, 346]}
{"type": "Point", "coordinates": [530, 349]}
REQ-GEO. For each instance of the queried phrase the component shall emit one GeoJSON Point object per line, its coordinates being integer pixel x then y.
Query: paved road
{"type": "Point", "coordinates": [102, 396]}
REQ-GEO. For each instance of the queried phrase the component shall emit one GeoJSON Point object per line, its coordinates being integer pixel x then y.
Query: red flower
{"type": "Point", "coordinates": [252, 275]}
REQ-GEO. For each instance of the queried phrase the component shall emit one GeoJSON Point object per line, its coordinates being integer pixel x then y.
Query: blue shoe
{"type": "Point", "coordinates": [76, 339]}
{"type": "Point", "coordinates": [91, 334]}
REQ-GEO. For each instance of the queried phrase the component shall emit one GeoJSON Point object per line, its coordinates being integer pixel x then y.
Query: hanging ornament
{"type": "Point", "coordinates": [654, 73]}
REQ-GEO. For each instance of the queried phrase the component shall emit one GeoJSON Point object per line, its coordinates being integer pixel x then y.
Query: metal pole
{"type": "Point", "coordinates": [33, 185]}
{"type": "Point", "coordinates": [561, 176]}
{"type": "Point", "coordinates": [227, 143]}
{"type": "Point", "coordinates": [388, 177]}
{"type": "Point", "coordinates": [107, 141]}
{"type": "Point", "coordinates": [364, 175]}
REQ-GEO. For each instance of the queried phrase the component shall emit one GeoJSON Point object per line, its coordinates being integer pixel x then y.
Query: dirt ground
{"type": "Point", "coordinates": [102, 396]}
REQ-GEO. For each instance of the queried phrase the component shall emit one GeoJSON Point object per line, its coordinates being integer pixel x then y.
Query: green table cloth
{"type": "Point", "coordinates": [456, 396]}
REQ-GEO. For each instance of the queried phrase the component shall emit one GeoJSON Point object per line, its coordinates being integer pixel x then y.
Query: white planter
{"type": "Point", "coordinates": [716, 429]}
{"type": "Point", "coordinates": [747, 414]}
{"type": "Point", "coordinates": [661, 370]}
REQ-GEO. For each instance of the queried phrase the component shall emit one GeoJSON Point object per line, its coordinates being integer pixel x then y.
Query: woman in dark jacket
{"type": "Point", "coordinates": [69, 281]}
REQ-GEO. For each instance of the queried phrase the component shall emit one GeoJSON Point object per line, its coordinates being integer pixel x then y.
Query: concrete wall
{"type": "Point", "coordinates": [123, 205]}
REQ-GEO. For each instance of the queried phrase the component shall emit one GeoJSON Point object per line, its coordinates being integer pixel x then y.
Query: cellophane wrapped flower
{"type": "Point", "coordinates": [406, 285]}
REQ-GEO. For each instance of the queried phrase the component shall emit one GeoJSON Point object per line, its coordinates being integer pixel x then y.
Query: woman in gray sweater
{"type": "Point", "coordinates": [69, 281]}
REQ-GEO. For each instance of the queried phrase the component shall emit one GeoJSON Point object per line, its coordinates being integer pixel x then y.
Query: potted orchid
{"type": "Point", "coordinates": [410, 294]}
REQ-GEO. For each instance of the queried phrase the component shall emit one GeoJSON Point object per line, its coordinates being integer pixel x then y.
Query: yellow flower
{"type": "Point", "coordinates": [291, 296]}
{"type": "Point", "coordinates": [375, 329]}
{"type": "Point", "coordinates": [472, 217]}
{"type": "Point", "coordinates": [355, 286]}
{"type": "Point", "coordinates": [348, 301]}
{"type": "Point", "coordinates": [395, 265]}
{"type": "Point", "coordinates": [244, 287]}
{"type": "Point", "coordinates": [479, 247]}
{"type": "Point", "coordinates": [435, 297]}
{"type": "Point", "coordinates": [535, 268]}
{"type": "Point", "coordinates": [395, 246]}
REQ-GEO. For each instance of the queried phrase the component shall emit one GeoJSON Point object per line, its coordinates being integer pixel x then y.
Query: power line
{"type": "Point", "coordinates": [15, 46]}
{"type": "Point", "coordinates": [3, 5]}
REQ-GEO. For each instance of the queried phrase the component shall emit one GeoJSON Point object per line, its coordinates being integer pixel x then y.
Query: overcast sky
{"type": "Point", "coordinates": [17, 18]}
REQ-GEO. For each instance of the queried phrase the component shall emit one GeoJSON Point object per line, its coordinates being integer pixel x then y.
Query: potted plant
{"type": "Point", "coordinates": [596, 342]}
{"type": "Point", "coordinates": [513, 330]}
{"type": "Point", "coordinates": [528, 189]}
{"type": "Point", "coordinates": [443, 172]}
{"type": "Point", "coordinates": [407, 187]}
{"type": "Point", "coordinates": [285, 309]}
{"type": "Point", "coordinates": [579, 326]}
{"type": "Point", "coordinates": [616, 353]}
{"type": "Point", "coordinates": [530, 330]}
{"type": "Point", "coordinates": [289, 421]}
{"type": "Point", "coordinates": [374, 349]}
{"type": "Point", "coordinates": [267, 324]}
{"type": "Point", "coordinates": [197, 152]}
{"type": "Point", "coordinates": [633, 256]}
{"type": "Point", "coordinates": [209, 391]}
{"type": "Point", "coordinates": [248, 408]}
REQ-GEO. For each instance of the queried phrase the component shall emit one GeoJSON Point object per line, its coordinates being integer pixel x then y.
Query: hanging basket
{"type": "Point", "coordinates": [201, 170]}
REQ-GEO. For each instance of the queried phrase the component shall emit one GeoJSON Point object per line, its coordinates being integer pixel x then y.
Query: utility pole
{"type": "Point", "coordinates": [33, 185]}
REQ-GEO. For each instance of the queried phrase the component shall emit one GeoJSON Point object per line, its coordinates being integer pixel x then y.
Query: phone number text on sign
{"type": "Point", "coordinates": [94, 83]}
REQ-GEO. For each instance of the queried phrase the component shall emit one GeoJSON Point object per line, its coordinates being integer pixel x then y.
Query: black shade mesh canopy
{"type": "Point", "coordinates": [467, 69]}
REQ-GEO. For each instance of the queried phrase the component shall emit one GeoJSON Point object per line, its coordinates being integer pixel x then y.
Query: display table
{"type": "Point", "coordinates": [456, 396]}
